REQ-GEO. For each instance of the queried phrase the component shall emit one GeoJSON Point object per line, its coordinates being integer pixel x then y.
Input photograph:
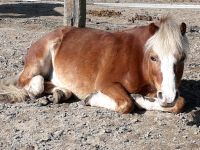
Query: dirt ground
{"type": "Point", "coordinates": [34, 125]}
{"type": "Point", "coordinates": [145, 1]}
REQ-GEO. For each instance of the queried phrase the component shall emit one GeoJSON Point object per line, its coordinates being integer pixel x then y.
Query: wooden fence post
{"type": "Point", "coordinates": [75, 13]}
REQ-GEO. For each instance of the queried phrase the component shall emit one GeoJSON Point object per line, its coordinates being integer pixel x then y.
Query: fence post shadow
{"type": "Point", "coordinates": [28, 10]}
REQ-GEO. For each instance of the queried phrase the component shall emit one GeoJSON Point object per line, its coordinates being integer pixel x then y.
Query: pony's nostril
{"type": "Point", "coordinates": [160, 96]}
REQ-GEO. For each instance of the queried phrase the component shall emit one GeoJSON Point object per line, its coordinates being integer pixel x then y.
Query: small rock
{"type": "Point", "coordinates": [147, 135]}
{"type": "Point", "coordinates": [196, 133]}
{"type": "Point", "coordinates": [29, 147]}
{"type": "Point", "coordinates": [185, 136]}
{"type": "Point", "coordinates": [74, 105]}
{"type": "Point", "coordinates": [108, 131]}
{"type": "Point", "coordinates": [194, 142]}
{"type": "Point", "coordinates": [127, 140]}
{"type": "Point", "coordinates": [2, 106]}
{"type": "Point", "coordinates": [46, 138]}
{"type": "Point", "coordinates": [88, 20]}
{"type": "Point", "coordinates": [84, 115]}
{"type": "Point", "coordinates": [136, 120]}
{"type": "Point", "coordinates": [194, 29]}
{"type": "Point", "coordinates": [57, 135]}
{"type": "Point", "coordinates": [174, 139]}
{"type": "Point", "coordinates": [42, 101]}
{"type": "Point", "coordinates": [178, 147]}
{"type": "Point", "coordinates": [107, 28]}
{"type": "Point", "coordinates": [12, 115]}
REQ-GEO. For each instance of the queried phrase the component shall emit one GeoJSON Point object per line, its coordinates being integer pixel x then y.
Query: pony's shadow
{"type": "Point", "coordinates": [27, 10]}
{"type": "Point", "coordinates": [196, 119]}
{"type": "Point", "coordinates": [190, 90]}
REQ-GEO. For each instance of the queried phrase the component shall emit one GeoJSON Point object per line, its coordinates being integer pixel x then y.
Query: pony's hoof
{"type": "Point", "coordinates": [58, 96]}
{"type": "Point", "coordinates": [179, 105]}
{"type": "Point", "coordinates": [177, 108]}
{"type": "Point", "coordinates": [86, 101]}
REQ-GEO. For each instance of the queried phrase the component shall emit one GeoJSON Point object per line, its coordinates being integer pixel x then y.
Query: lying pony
{"type": "Point", "coordinates": [141, 66]}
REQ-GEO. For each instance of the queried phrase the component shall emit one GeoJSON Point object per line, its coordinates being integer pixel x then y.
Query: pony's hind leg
{"type": "Point", "coordinates": [39, 64]}
{"type": "Point", "coordinates": [59, 94]}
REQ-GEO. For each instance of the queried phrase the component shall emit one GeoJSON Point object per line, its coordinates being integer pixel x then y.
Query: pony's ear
{"type": "Point", "coordinates": [153, 28]}
{"type": "Point", "coordinates": [183, 28]}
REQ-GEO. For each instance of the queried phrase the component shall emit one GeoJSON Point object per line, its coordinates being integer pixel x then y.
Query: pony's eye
{"type": "Point", "coordinates": [154, 58]}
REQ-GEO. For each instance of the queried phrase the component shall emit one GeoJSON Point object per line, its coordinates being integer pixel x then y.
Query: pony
{"type": "Point", "coordinates": [140, 66]}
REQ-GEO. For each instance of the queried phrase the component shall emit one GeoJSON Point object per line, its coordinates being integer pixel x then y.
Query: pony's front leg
{"type": "Point", "coordinates": [113, 97]}
{"type": "Point", "coordinates": [149, 103]}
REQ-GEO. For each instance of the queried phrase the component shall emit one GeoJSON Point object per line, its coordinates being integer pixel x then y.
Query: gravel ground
{"type": "Point", "coordinates": [145, 1]}
{"type": "Point", "coordinates": [35, 125]}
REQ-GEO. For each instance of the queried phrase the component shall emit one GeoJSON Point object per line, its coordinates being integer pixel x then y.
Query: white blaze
{"type": "Point", "coordinates": [168, 86]}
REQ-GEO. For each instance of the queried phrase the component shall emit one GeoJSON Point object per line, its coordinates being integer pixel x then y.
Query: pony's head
{"type": "Point", "coordinates": [165, 53]}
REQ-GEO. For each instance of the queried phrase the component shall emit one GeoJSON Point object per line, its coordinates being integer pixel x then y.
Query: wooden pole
{"type": "Point", "coordinates": [75, 13]}
{"type": "Point", "coordinates": [68, 4]}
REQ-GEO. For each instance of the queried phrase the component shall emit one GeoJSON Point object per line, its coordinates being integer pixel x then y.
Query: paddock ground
{"type": "Point", "coordinates": [33, 125]}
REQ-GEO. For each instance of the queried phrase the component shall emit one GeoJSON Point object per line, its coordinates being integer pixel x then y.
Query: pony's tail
{"type": "Point", "coordinates": [10, 93]}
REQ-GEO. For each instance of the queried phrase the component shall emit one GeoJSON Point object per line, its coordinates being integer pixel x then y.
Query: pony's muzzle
{"type": "Point", "coordinates": [166, 101]}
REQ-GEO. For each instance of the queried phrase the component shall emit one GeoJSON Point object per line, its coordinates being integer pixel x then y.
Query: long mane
{"type": "Point", "coordinates": [168, 39]}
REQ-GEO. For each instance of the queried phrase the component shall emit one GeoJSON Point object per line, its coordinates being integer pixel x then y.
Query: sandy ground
{"type": "Point", "coordinates": [31, 125]}
{"type": "Point", "coordinates": [146, 1]}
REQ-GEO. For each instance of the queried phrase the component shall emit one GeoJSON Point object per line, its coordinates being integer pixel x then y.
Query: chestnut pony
{"type": "Point", "coordinates": [113, 70]}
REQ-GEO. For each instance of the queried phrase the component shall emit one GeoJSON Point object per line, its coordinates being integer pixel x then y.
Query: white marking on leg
{"type": "Point", "coordinates": [144, 103]}
{"type": "Point", "coordinates": [101, 100]}
{"type": "Point", "coordinates": [36, 86]}
{"type": "Point", "coordinates": [54, 79]}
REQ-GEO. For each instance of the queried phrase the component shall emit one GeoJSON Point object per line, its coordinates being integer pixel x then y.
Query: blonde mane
{"type": "Point", "coordinates": [168, 39]}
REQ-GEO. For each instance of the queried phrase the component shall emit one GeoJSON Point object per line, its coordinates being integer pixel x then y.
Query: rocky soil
{"type": "Point", "coordinates": [36, 125]}
{"type": "Point", "coordinates": [145, 1]}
